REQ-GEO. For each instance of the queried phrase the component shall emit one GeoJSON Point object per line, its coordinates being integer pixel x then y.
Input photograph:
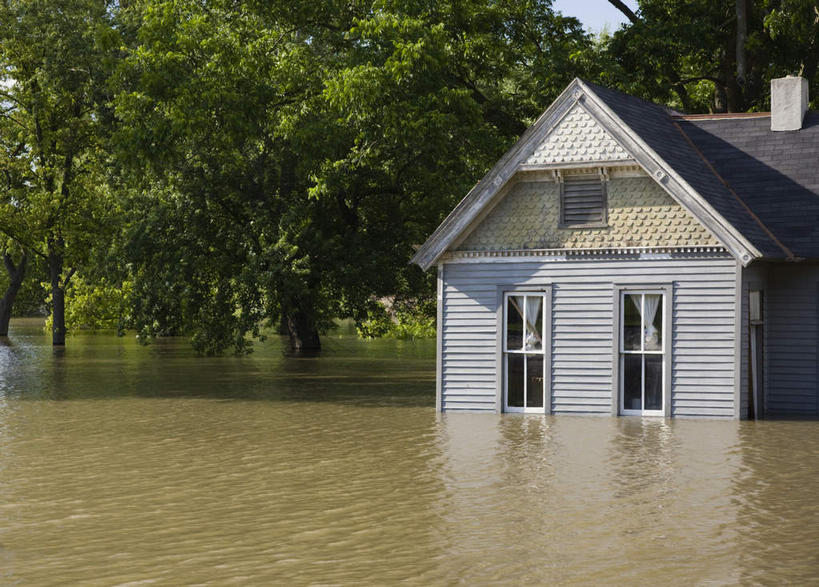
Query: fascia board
{"type": "Point", "coordinates": [485, 190]}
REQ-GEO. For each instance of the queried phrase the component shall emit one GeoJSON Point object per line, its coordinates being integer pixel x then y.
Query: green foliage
{"type": "Point", "coordinates": [289, 159]}
{"type": "Point", "coordinates": [210, 168]}
{"type": "Point", "coordinates": [396, 318]}
{"type": "Point", "coordinates": [55, 59]}
{"type": "Point", "coordinates": [96, 306]}
{"type": "Point", "coordinates": [684, 52]}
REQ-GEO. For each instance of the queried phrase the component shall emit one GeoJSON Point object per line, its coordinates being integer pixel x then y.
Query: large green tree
{"type": "Point", "coordinates": [290, 157]}
{"type": "Point", "coordinates": [55, 60]}
{"type": "Point", "coordinates": [429, 95]}
{"type": "Point", "coordinates": [220, 129]}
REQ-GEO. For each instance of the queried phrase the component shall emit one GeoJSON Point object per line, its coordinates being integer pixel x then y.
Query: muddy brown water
{"type": "Point", "coordinates": [122, 464]}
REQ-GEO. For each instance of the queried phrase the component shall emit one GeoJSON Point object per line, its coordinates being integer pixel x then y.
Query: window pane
{"type": "Point", "coordinates": [654, 382]}
{"type": "Point", "coordinates": [632, 323]}
{"type": "Point", "coordinates": [654, 322]}
{"type": "Point", "coordinates": [534, 323]}
{"type": "Point", "coordinates": [632, 382]}
{"type": "Point", "coordinates": [514, 380]}
{"type": "Point", "coordinates": [534, 381]}
{"type": "Point", "coordinates": [514, 323]}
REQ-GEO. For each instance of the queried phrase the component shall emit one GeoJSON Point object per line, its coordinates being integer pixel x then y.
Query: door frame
{"type": "Point", "coordinates": [667, 290]}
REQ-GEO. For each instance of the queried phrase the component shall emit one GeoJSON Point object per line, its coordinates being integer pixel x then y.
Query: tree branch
{"type": "Point", "coordinates": [708, 78]}
{"type": "Point", "coordinates": [621, 6]}
{"type": "Point", "coordinates": [68, 277]}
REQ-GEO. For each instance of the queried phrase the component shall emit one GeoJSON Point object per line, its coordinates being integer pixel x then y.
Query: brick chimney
{"type": "Point", "coordinates": [789, 102]}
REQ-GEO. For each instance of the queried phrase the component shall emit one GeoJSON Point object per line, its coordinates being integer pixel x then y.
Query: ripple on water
{"type": "Point", "coordinates": [125, 465]}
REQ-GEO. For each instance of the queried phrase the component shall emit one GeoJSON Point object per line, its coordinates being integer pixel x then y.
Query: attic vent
{"type": "Point", "coordinates": [583, 201]}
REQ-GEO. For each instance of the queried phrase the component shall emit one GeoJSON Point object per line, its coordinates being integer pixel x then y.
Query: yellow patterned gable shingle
{"type": "Point", "coordinates": [640, 214]}
{"type": "Point", "coordinates": [577, 139]}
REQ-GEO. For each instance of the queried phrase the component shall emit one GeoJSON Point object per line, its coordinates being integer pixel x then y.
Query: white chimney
{"type": "Point", "coordinates": [789, 102]}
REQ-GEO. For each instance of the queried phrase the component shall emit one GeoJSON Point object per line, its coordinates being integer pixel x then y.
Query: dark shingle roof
{"type": "Point", "coordinates": [775, 173]}
{"type": "Point", "coordinates": [669, 137]}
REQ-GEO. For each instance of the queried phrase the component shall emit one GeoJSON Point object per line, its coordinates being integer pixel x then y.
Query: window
{"type": "Point", "coordinates": [524, 351]}
{"type": "Point", "coordinates": [583, 201]}
{"type": "Point", "coordinates": [642, 353]}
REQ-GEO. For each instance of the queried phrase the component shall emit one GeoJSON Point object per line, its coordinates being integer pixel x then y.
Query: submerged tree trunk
{"type": "Point", "coordinates": [16, 274]}
{"type": "Point", "coordinates": [301, 327]}
{"type": "Point", "coordinates": [55, 269]}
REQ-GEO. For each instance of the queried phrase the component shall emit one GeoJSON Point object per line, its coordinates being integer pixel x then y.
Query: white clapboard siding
{"type": "Point", "coordinates": [582, 331]}
{"type": "Point", "coordinates": [791, 317]}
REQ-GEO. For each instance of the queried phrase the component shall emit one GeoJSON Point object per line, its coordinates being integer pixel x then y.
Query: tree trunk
{"type": "Point", "coordinates": [55, 269]}
{"type": "Point", "coordinates": [742, 38]}
{"type": "Point", "coordinates": [16, 275]}
{"type": "Point", "coordinates": [304, 336]}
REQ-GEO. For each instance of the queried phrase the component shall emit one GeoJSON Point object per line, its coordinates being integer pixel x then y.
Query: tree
{"type": "Point", "coordinates": [220, 129]}
{"type": "Point", "coordinates": [290, 157]}
{"type": "Point", "coordinates": [55, 59]}
{"type": "Point", "coordinates": [703, 56]}
{"type": "Point", "coordinates": [429, 95]}
{"type": "Point", "coordinates": [16, 274]}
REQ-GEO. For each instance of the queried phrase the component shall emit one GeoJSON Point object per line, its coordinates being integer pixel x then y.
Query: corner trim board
{"type": "Point", "coordinates": [439, 346]}
{"type": "Point", "coordinates": [738, 309]}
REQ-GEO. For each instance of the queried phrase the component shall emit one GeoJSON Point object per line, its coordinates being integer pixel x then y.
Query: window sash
{"type": "Point", "coordinates": [524, 296]}
{"type": "Point", "coordinates": [643, 352]}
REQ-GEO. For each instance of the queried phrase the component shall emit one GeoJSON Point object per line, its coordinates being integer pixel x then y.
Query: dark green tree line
{"type": "Point", "coordinates": [291, 158]}
{"type": "Point", "coordinates": [209, 168]}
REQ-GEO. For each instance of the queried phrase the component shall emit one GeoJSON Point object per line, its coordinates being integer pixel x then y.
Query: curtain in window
{"type": "Point", "coordinates": [648, 311]}
{"type": "Point", "coordinates": [533, 334]}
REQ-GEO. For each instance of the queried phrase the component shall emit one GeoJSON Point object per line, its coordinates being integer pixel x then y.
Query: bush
{"type": "Point", "coordinates": [394, 318]}
{"type": "Point", "coordinates": [99, 306]}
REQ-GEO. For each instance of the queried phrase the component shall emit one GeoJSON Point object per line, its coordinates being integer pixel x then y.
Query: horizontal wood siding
{"type": "Point", "coordinates": [791, 334]}
{"type": "Point", "coordinates": [582, 318]}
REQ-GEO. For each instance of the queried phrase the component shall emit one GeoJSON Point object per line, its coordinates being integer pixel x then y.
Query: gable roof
{"type": "Point", "coordinates": [678, 154]}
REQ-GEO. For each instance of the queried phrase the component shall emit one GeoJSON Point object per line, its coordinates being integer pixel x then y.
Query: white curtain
{"type": "Point", "coordinates": [651, 340]}
{"type": "Point", "coordinates": [533, 336]}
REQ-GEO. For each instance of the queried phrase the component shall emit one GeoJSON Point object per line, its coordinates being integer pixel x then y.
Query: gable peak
{"type": "Point", "coordinates": [577, 138]}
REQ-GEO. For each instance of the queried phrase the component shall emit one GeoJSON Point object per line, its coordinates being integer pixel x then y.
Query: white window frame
{"type": "Point", "coordinates": [619, 352]}
{"type": "Point", "coordinates": [545, 351]}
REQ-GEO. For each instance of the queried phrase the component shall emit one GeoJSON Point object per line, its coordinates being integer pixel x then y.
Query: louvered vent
{"type": "Point", "coordinates": [583, 201]}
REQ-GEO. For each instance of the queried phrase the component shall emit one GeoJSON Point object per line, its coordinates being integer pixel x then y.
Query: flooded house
{"type": "Point", "coordinates": [626, 259]}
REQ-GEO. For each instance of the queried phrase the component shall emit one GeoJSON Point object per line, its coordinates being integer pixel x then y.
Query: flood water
{"type": "Point", "coordinates": [122, 464]}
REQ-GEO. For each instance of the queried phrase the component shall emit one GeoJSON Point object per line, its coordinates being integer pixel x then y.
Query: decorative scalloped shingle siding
{"type": "Point", "coordinates": [578, 138]}
{"type": "Point", "coordinates": [640, 214]}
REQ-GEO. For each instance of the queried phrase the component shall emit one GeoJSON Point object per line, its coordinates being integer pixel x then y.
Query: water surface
{"type": "Point", "coordinates": [122, 464]}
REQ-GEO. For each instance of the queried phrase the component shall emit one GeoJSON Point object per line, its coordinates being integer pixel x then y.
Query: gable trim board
{"type": "Point", "coordinates": [554, 255]}
{"type": "Point", "coordinates": [487, 192]}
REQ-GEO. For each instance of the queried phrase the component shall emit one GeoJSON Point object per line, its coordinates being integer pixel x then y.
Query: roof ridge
{"type": "Point", "coordinates": [788, 253]}
{"type": "Point", "coordinates": [722, 115]}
